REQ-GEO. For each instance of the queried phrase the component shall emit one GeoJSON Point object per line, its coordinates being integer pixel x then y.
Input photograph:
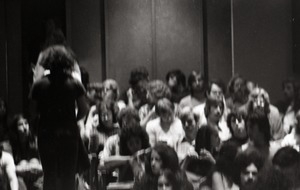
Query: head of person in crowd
{"type": "Point", "coordinates": [21, 138]}
{"type": "Point", "coordinates": [163, 157]}
{"type": "Point", "coordinates": [128, 117]}
{"type": "Point", "coordinates": [196, 83]}
{"type": "Point", "coordinates": [237, 127]}
{"type": "Point", "coordinates": [168, 180]}
{"type": "Point", "coordinates": [259, 99]}
{"type": "Point", "coordinates": [216, 89]}
{"type": "Point", "coordinates": [213, 110]}
{"type": "Point", "coordinates": [164, 109]}
{"type": "Point", "coordinates": [111, 90]}
{"type": "Point", "coordinates": [139, 77]}
{"type": "Point", "coordinates": [237, 89]}
{"type": "Point", "coordinates": [95, 92]}
{"type": "Point", "coordinates": [132, 139]}
{"type": "Point", "coordinates": [176, 80]}
{"type": "Point", "coordinates": [225, 159]}
{"type": "Point", "coordinates": [287, 160]}
{"type": "Point", "coordinates": [290, 89]}
{"type": "Point", "coordinates": [248, 164]}
{"type": "Point", "coordinates": [190, 123]}
{"type": "Point", "coordinates": [197, 170]}
{"type": "Point", "coordinates": [157, 89]}
{"type": "Point", "coordinates": [207, 138]}
{"type": "Point", "coordinates": [59, 60]}
{"type": "Point", "coordinates": [258, 128]}
{"type": "Point", "coordinates": [107, 114]}
{"type": "Point", "coordinates": [272, 179]}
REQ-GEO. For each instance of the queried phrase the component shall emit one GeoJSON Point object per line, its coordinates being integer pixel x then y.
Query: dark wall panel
{"type": "Point", "coordinates": [219, 39]}
{"type": "Point", "coordinates": [263, 42]}
{"type": "Point", "coordinates": [128, 37]}
{"type": "Point", "coordinates": [83, 33]}
{"type": "Point", "coordinates": [3, 86]}
{"type": "Point", "coordinates": [179, 36]}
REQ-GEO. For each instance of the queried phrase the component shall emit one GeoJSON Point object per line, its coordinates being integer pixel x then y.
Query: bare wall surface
{"type": "Point", "coordinates": [128, 37]}
{"type": "Point", "coordinates": [219, 39]}
{"type": "Point", "coordinates": [3, 91]}
{"type": "Point", "coordinates": [263, 42]}
{"type": "Point", "coordinates": [83, 34]}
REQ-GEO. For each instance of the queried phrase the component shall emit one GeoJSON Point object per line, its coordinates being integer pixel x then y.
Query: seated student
{"type": "Point", "coordinates": [135, 95]}
{"type": "Point", "coordinates": [213, 111]}
{"type": "Point", "coordinates": [175, 79]}
{"type": "Point", "coordinates": [166, 128]}
{"type": "Point", "coordinates": [259, 99]}
{"type": "Point", "coordinates": [237, 127]}
{"type": "Point", "coordinates": [156, 90]}
{"type": "Point", "coordinates": [161, 157]}
{"type": "Point", "coordinates": [95, 93]}
{"type": "Point", "coordinates": [238, 92]}
{"type": "Point", "coordinates": [196, 84]}
{"type": "Point", "coordinates": [248, 165]}
{"type": "Point", "coordinates": [258, 129]}
{"type": "Point", "coordinates": [197, 170]}
{"type": "Point", "coordinates": [287, 160]}
{"type": "Point", "coordinates": [207, 141]}
{"type": "Point", "coordinates": [25, 152]}
{"type": "Point", "coordinates": [215, 91]}
{"type": "Point", "coordinates": [8, 177]}
{"type": "Point", "coordinates": [223, 175]}
{"type": "Point", "coordinates": [169, 180]}
{"type": "Point", "coordinates": [293, 139]}
{"type": "Point", "coordinates": [132, 139]}
{"type": "Point", "coordinates": [190, 122]}
{"type": "Point", "coordinates": [290, 103]}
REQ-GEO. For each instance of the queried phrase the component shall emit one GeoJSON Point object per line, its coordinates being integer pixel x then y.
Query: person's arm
{"type": "Point", "coordinates": [10, 170]}
{"type": "Point", "coordinates": [147, 118]}
{"type": "Point", "coordinates": [217, 181]}
{"type": "Point", "coordinates": [151, 134]}
{"type": "Point", "coordinates": [112, 162]}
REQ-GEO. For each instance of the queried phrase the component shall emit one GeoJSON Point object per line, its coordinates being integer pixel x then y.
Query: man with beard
{"type": "Point", "coordinates": [196, 85]}
{"type": "Point", "coordinates": [238, 92]}
{"type": "Point", "coordinates": [249, 164]}
{"type": "Point", "coordinates": [259, 99]}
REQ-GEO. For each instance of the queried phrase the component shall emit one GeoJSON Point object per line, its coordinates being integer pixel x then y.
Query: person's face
{"type": "Point", "coordinates": [134, 144]}
{"type": "Point", "coordinates": [23, 127]}
{"type": "Point", "coordinates": [167, 117]}
{"type": "Point", "coordinates": [216, 112]}
{"type": "Point", "coordinates": [106, 117]}
{"type": "Point", "coordinates": [156, 162]}
{"type": "Point", "coordinates": [172, 81]}
{"type": "Point", "coordinates": [238, 127]}
{"type": "Point", "coordinates": [151, 98]}
{"type": "Point", "coordinates": [237, 86]}
{"type": "Point", "coordinates": [189, 124]}
{"type": "Point", "coordinates": [198, 84]}
{"type": "Point", "coordinates": [257, 97]}
{"type": "Point", "coordinates": [249, 176]}
{"type": "Point", "coordinates": [194, 179]}
{"type": "Point", "coordinates": [163, 183]}
{"type": "Point", "coordinates": [140, 90]}
{"type": "Point", "coordinates": [288, 90]}
{"type": "Point", "coordinates": [216, 93]}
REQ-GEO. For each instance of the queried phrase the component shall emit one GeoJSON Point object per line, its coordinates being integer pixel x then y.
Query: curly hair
{"type": "Point", "coordinates": [59, 60]}
{"type": "Point", "coordinates": [180, 77]}
{"type": "Point", "coordinates": [230, 86]}
{"type": "Point", "coordinates": [159, 89]}
{"type": "Point", "coordinates": [130, 132]}
{"type": "Point", "coordinates": [127, 117]}
{"type": "Point", "coordinates": [138, 74]}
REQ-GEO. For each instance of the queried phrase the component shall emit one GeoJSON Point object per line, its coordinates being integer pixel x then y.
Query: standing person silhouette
{"type": "Point", "coordinates": [57, 95]}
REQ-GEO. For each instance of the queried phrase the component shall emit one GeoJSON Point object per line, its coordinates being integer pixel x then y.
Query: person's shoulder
{"type": "Point", "coordinates": [7, 158]}
{"type": "Point", "coordinates": [185, 99]}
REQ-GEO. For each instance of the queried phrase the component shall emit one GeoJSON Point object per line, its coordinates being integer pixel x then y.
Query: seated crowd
{"type": "Point", "coordinates": [169, 135]}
